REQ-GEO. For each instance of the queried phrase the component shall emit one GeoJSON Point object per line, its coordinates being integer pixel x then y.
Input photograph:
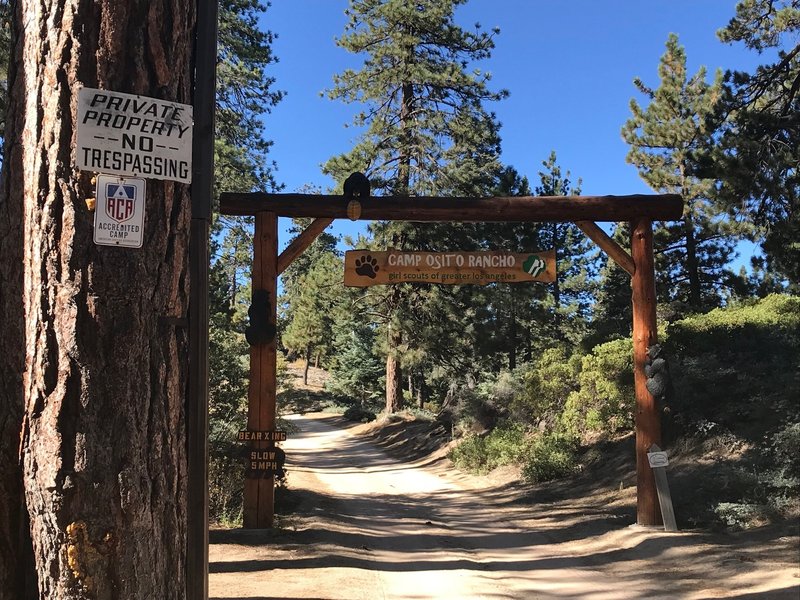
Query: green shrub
{"type": "Point", "coordinates": [550, 456]}
{"type": "Point", "coordinates": [501, 390]}
{"type": "Point", "coordinates": [786, 449]}
{"type": "Point", "coordinates": [544, 386]}
{"type": "Point", "coordinates": [741, 515]}
{"type": "Point", "coordinates": [780, 484]}
{"type": "Point", "coordinates": [738, 366]}
{"type": "Point", "coordinates": [504, 445]}
{"type": "Point", "coordinates": [360, 414]}
{"type": "Point", "coordinates": [472, 411]}
{"type": "Point", "coordinates": [713, 330]}
{"type": "Point", "coordinates": [604, 400]}
{"type": "Point", "coordinates": [470, 454]}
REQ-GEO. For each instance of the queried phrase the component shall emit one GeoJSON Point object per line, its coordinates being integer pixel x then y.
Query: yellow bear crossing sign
{"type": "Point", "coordinates": [119, 212]}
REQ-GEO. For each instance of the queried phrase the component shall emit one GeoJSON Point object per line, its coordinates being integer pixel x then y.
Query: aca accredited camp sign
{"type": "Point", "coordinates": [119, 212]}
{"type": "Point", "coordinates": [364, 268]}
{"type": "Point", "coordinates": [125, 134]}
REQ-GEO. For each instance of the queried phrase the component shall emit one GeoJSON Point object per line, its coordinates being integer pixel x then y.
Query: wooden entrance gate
{"type": "Point", "coordinates": [585, 211]}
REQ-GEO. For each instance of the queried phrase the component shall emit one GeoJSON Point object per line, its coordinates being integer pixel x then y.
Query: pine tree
{"type": "Point", "coordinates": [310, 325]}
{"type": "Point", "coordinates": [509, 327]}
{"type": "Point", "coordinates": [356, 371]}
{"type": "Point", "coordinates": [93, 359]}
{"type": "Point", "coordinates": [245, 93]}
{"type": "Point", "coordinates": [324, 244]}
{"type": "Point", "coordinates": [667, 139]}
{"type": "Point", "coordinates": [612, 315]}
{"type": "Point", "coordinates": [759, 151]}
{"type": "Point", "coordinates": [425, 129]}
{"type": "Point", "coordinates": [568, 307]}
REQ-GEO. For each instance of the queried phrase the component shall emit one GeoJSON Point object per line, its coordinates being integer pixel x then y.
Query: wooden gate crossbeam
{"type": "Point", "coordinates": [640, 210]}
{"type": "Point", "coordinates": [664, 207]}
{"type": "Point", "coordinates": [301, 242]}
{"type": "Point", "coordinates": [612, 248]}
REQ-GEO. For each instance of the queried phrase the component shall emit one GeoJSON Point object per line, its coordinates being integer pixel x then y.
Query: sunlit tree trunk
{"type": "Point", "coordinates": [308, 364]}
{"type": "Point", "coordinates": [93, 356]}
{"type": "Point", "coordinates": [394, 375]}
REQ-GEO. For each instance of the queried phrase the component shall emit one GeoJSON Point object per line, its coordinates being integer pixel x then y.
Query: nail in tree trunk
{"type": "Point", "coordinates": [93, 356]}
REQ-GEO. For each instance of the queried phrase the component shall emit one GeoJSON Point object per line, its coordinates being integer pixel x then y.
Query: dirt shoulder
{"type": "Point", "coordinates": [348, 543]}
{"type": "Point", "coordinates": [594, 513]}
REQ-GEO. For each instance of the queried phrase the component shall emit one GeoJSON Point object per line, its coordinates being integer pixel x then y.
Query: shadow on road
{"type": "Point", "coordinates": [498, 532]}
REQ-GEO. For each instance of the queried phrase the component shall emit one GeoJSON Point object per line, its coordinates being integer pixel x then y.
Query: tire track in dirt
{"type": "Point", "coordinates": [369, 527]}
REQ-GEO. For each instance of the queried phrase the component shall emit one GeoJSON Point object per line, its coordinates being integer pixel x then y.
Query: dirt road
{"type": "Point", "coordinates": [369, 527]}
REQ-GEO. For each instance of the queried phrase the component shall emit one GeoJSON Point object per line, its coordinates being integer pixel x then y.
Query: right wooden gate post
{"type": "Point", "coordinates": [648, 419]}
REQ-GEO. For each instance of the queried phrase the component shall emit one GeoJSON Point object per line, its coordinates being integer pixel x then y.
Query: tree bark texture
{"type": "Point", "coordinates": [14, 539]}
{"type": "Point", "coordinates": [307, 366]}
{"type": "Point", "coordinates": [645, 334]}
{"type": "Point", "coordinates": [394, 384]}
{"type": "Point", "coordinates": [394, 373]}
{"type": "Point", "coordinates": [94, 350]}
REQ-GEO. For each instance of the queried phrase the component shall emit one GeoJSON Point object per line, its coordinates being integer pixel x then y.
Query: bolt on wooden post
{"type": "Point", "coordinates": [259, 492]}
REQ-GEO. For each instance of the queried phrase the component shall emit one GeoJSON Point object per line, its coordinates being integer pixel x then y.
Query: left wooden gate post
{"type": "Point", "coordinates": [645, 333]}
{"type": "Point", "coordinates": [259, 493]}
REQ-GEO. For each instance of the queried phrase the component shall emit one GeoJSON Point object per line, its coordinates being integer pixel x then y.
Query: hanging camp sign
{"type": "Point", "coordinates": [364, 268]}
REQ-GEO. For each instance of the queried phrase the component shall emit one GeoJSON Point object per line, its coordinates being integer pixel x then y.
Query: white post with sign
{"type": "Point", "coordinates": [658, 462]}
{"type": "Point", "coordinates": [119, 212]}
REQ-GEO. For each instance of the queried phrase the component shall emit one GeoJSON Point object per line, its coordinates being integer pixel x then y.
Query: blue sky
{"type": "Point", "coordinates": [568, 65]}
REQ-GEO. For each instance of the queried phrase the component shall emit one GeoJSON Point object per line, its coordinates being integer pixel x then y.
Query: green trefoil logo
{"type": "Point", "coordinates": [534, 265]}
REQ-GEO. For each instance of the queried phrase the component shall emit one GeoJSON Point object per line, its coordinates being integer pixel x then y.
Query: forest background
{"type": "Point", "coordinates": [527, 373]}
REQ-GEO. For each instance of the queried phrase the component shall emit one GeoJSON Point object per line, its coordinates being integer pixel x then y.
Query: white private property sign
{"type": "Point", "coordinates": [119, 212]}
{"type": "Point", "coordinates": [124, 134]}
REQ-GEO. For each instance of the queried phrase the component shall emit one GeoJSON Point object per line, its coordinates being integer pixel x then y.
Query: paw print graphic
{"type": "Point", "coordinates": [367, 266]}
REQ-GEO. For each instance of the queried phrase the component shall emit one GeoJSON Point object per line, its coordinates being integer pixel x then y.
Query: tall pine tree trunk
{"type": "Point", "coordinates": [14, 531]}
{"type": "Point", "coordinates": [394, 374]}
{"type": "Point", "coordinates": [556, 287]}
{"type": "Point", "coordinates": [308, 364]}
{"type": "Point", "coordinates": [421, 391]}
{"type": "Point", "coordinates": [512, 332]}
{"type": "Point", "coordinates": [96, 381]}
{"type": "Point", "coordinates": [692, 263]}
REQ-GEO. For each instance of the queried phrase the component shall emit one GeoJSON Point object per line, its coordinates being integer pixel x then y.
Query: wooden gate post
{"type": "Point", "coordinates": [259, 493]}
{"type": "Point", "coordinates": [648, 419]}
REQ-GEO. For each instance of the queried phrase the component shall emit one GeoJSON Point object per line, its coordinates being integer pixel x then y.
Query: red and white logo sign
{"type": "Point", "coordinates": [120, 201]}
{"type": "Point", "coordinates": [119, 217]}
